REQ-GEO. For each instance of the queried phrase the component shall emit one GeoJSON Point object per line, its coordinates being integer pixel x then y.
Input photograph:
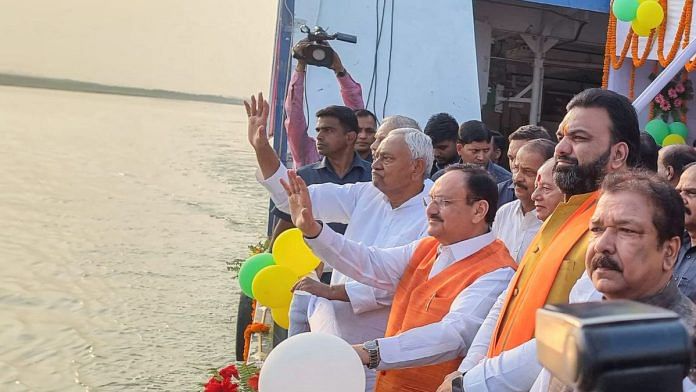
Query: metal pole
{"type": "Point", "coordinates": [664, 77]}
{"type": "Point", "coordinates": [279, 85]}
{"type": "Point", "coordinates": [537, 86]}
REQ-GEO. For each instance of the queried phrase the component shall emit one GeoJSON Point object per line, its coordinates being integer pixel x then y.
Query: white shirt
{"type": "Point", "coordinates": [513, 370]}
{"type": "Point", "coordinates": [582, 291]}
{"type": "Point", "coordinates": [515, 228]}
{"type": "Point", "coordinates": [516, 369]}
{"type": "Point", "coordinates": [372, 221]}
{"type": "Point", "coordinates": [383, 268]}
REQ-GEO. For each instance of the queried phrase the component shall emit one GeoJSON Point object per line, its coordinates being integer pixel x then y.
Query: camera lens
{"type": "Point", "coordinates": [318, 54]}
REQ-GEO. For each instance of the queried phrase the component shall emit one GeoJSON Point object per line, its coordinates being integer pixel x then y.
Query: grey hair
{"type": "Point", "coordinates": [420, 145]}
{"type": "Point", "coordinates": [549, 162]}
{"type": "Point", "coordinates": [397, 121]}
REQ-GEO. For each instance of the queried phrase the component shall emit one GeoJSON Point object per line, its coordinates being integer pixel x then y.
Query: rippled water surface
{"type": "Point", "coordinates": [117, 217]}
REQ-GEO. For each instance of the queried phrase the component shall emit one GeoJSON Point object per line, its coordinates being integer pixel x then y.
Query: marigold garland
{"type": "Point", "coordinates": [632, 83]}
{"type": "Point", "coordinates": [681, 38]}
{"type": "Point", "coordinates": [251, 329]}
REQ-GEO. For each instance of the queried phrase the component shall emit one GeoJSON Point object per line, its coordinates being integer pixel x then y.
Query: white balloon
{"type": "Point", "coordinates": [312, 362]}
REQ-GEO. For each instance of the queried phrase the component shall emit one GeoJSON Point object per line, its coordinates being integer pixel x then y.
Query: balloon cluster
{"type": "Point", "coordinates": [667, 134]}
{"type": "Point", "coordinates": [644, 15]}
{"type": "Point", "coordinates": [269, 278]}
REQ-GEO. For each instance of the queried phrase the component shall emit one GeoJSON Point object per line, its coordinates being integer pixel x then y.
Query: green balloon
{"type": "Point", "coordinates": [679, 128]}
{"type": "Point", "coordinates": [250, 268]}
{"type": "Point", "coordinates": [658, 129]}
{"type": "Point", "coordinates": [625, 10]}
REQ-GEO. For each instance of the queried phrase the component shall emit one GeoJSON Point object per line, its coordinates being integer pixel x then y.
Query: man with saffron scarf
{"type": "Point", "coordinates": [598, 135]}
{"type": "Point", "coordinates": [444, 285]}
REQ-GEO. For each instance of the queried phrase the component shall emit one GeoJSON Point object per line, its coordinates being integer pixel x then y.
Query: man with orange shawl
{"type": "Point", "coordinates": [598, 135]}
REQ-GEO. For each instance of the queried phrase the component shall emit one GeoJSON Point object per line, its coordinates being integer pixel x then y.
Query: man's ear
{"type": "Point", "coordinates": [460, 148]}
{"type": "Point", "coordinates": [671, 251]}
{"type": "Point", "coordinates": [481, 208]}
{"type": "Point", "coordinates": [419, 168]}
{"type": "Point", "coordinates": [351, 136]}
{"type": "Point", "coordinates": [670, 173]}
{"type": "Point", "coordinates": [620, 154]}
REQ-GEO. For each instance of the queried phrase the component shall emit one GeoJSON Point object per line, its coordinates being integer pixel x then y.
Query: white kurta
{"type": "Point", "coordinates": [383, 268]}
{"type": "Point", "coordinates": [517, 369]}
{"type": "Point", "coordinates": [372, 221]}
{"type": "Point", "coordinates": [515, 228]}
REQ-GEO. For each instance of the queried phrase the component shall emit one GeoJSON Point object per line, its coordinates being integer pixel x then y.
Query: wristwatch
{"type": "Point", "coordinates": [372, 348]}
{"type": "Point", "coordinates": [458, 384]}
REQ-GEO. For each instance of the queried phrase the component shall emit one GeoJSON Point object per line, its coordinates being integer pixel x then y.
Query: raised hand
{"type": "Point", "coordinates": [300, 205]}
{"type": "Point", "coordinates": [257, 115]}
{"type": "Point", "coordinates": [336, 64]}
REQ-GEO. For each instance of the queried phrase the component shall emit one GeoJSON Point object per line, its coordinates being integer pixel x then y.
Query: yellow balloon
{"type": "Point", "coordinates": [290, 250]}
{"type": "Point", "coordinates": [272, 285]}
{"type": "Point", "coordinates": [640, 29]}
{"type": "Point", "coordinates": [673, 139]}
{"type": "Point", "coordinates": [281, 316]}
{"type": "Point", "coordinates": [650, 14]}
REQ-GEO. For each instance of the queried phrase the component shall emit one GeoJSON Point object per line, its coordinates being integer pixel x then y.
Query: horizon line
{"type": "Point", "coordinates": [17, 80]}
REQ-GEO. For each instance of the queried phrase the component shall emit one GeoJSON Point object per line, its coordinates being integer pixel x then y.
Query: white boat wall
{"type": "Point", "coordinates": [419, 57]}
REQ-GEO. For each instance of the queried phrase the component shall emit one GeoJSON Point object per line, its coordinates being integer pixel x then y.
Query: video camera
{"type": "Point", "coordinates": [318, 52]}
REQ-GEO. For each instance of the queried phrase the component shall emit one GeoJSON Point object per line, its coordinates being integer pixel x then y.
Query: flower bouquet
{"type": "Point", "coordinates": [671, 101]}
{"type": "Point", "coordinates": [240, 377]}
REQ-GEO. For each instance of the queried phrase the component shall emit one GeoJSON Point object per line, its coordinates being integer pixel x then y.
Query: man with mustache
{"type": "Point", "coordinates": [385, 212]}
{"type": "Point", "coordinates": [685, 270]}
{"type": "Point", "coordinates": [444, 284]}
{"type": "Point", "coordinates": [516, 223]}
{"type": "Point", "coordinates": [633, 246]}
{"type": "Point", "coordinates": [598, 135]}
{"type": "Point", "coordinates": [517, 139]}
{"type": "Point", "coordinates": [337, 130]}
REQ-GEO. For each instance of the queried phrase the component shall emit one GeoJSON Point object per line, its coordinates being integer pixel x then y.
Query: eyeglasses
{"type": "Point", "coordinates": [439, 201]}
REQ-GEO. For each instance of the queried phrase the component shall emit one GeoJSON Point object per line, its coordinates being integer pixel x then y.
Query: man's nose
{"type": "Point", "coordinates": [536, 195]}
{"type": "Point", "coordinates": [563, 148]}
{"type": "Point", "coordinates": [377, 163]}
{"type": "Point", "coordinates": [431, 208]}
{"type": "Point", "coordinates": [605, 242]}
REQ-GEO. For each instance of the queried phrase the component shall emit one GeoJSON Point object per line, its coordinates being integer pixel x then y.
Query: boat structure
{"type": "Point", "coordinates": [506, 62]}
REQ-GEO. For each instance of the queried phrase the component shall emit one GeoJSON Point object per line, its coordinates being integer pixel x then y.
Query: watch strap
{"type": "Point", "coordinates": [372, 348]}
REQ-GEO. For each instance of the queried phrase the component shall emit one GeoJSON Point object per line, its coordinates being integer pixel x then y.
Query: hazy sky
{"type": "Point", "coordinates": [202, 46]}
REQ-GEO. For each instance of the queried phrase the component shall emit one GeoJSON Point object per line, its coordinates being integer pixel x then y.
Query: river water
{"type": "Point", "coordinates": [117, 218]}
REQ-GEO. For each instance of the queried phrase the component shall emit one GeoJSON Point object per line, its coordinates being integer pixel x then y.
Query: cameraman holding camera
{"type": "Point", "coordinates": [302, 146]}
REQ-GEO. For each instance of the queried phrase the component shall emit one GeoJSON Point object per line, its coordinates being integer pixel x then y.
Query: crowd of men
{"type": "Point", "coordinates": [441, 256]}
